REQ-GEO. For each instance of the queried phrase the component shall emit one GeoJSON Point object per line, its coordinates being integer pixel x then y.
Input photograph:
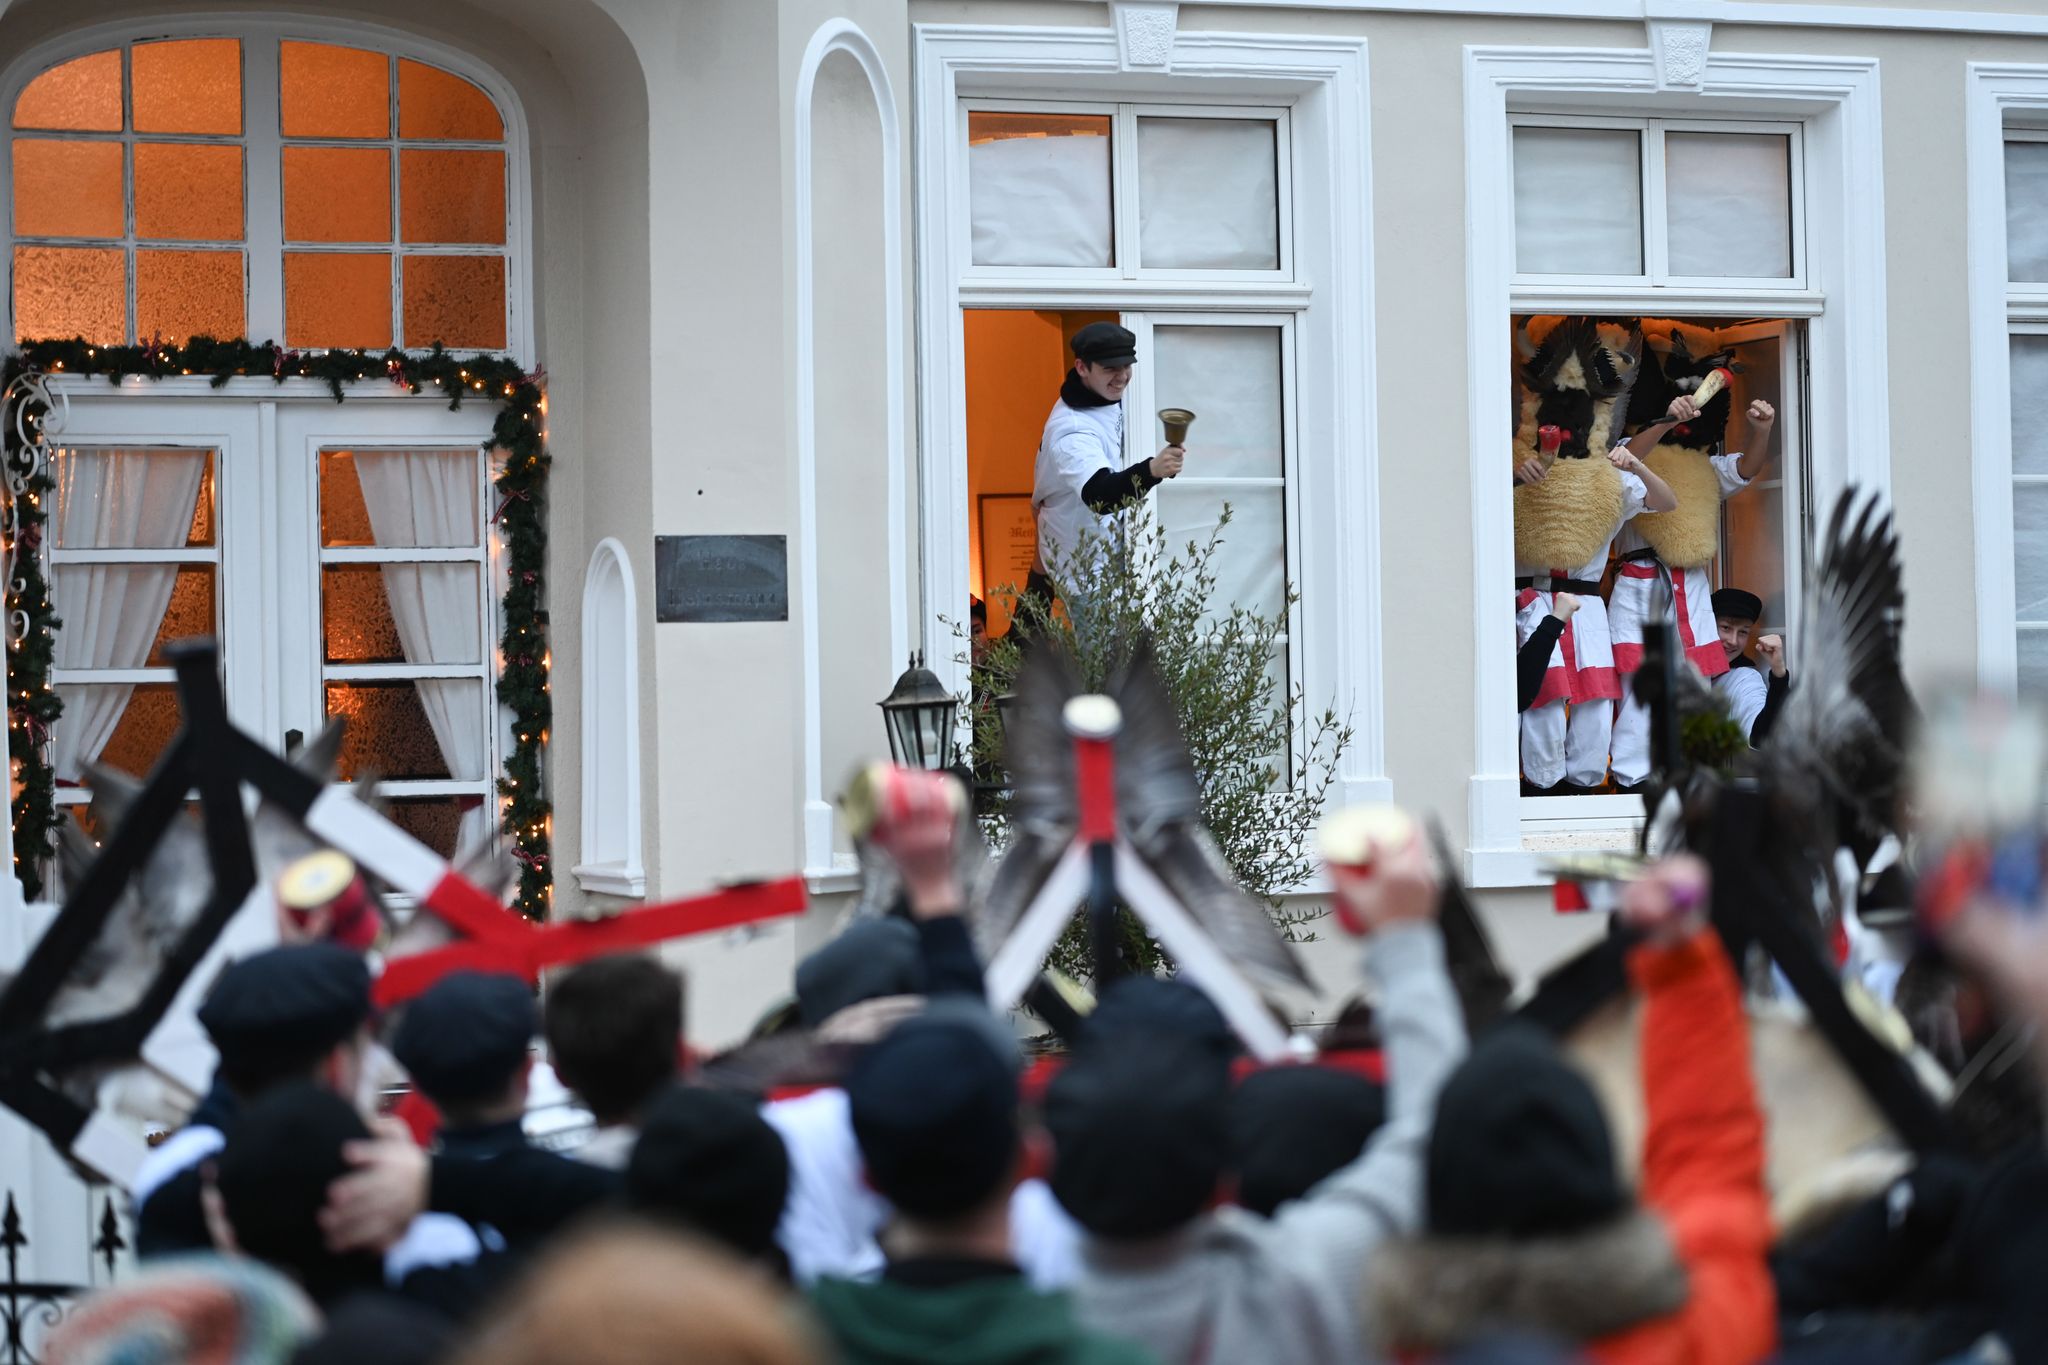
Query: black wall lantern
{"type": "Point", "coordinates": [922, 718]}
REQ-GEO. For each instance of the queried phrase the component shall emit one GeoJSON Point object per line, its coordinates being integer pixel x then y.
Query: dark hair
{"type": "Point", "coordinates": [613, 1027]}
{"type": "Point", "coordinates": [282, 1153]}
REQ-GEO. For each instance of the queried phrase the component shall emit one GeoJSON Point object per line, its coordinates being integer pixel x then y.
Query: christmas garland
{"type": "Point", "coordinates": [520, 432]}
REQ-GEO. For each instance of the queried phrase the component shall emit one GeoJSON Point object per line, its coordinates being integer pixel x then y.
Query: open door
{"type": "Point", "coordinates": [1765, 530]}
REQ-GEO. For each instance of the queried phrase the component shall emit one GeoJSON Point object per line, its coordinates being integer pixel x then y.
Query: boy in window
{"type": "Point", "coordinates": [1077, 489]}
{"type": "Point", "coordinates": [1752, 694]}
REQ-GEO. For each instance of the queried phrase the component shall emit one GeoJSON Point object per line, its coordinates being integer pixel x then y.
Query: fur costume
{"type": "Point", "coordinates": [1689, 535]}
{"type": "Point", "coordinates": [1576, 379]}
{"type": "Point", "coordinates": [1431, 1294]}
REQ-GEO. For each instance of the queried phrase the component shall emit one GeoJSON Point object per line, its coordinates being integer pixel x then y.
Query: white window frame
{"type": "Point", "coordinates": [1143, 439]}
{"type": "Point", "coordinates": [2002, 102]}
{"type": "Point", "coordinates": [1842, 296]}
{"type": "Point", "coordinates": [1322, 83]}
{"type": "Point", "coordinates": [1125, 206]}
{"type": "Point", "coordinates": [279, 608]}
{"type": "Point", "coordinates": [1651, 133]}
{"type": "Point", "coordinates": [262, 165]}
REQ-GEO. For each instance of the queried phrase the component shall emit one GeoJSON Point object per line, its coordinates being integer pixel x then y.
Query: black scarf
{"type": "Point", "coordinates": [1075, 394]}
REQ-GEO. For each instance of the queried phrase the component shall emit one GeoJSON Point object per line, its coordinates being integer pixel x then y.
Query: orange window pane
{"type": "Point", "coordinates": [190, 85]}
{"type": "Point", "coordinates": [337, 194]}
{"type": "Point", "coordinates": [82, 95]}
{"type": "Point", "coordinates": [337, 299]}
{"type": "Point", "coordinates": [328, 91]}
{"type": "Point", "coordinates": [67, 189]}
{"type": "Point", "coordinates": [71, 291]}
{"type": "Point", "coordinates": [435, 103]}
{"type": "Point", "coordinates": [451, 196]}
{"type": "Point", "coordinates": [184, 294]}
{"type": "Point", "coordinates": [188, 191]}
{"type": "Point", "coordinates": [455, 300]}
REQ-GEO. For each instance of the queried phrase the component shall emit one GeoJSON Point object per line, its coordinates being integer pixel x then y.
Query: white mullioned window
{"type": "Point", "coordinates": [264, 181]}
{"type": "Point", "coordinates": [1692, 227]}
{"type": "Point", "coordinates": [1097, 210]}
{"type": "Point", "coordinates": [2026, 310]}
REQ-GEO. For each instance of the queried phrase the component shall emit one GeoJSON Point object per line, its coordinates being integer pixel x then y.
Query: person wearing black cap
{"type": "Point", "coordinates": [1140, 1125]}
{"type": "Point", "coordinates": [289, 1014]}
{"type": "Point", "coordinates": [708, 1162]}
{"type": "Point", "coordinates": [1080, 483]}
{"type": "Point", "coordinates": [465, 1042]}
{"type": "Point", "coordinates": [1753, 696]}
{"type": "Point", "coordinates": [935, 1110]}
{"type": "Point", "coordinates": [1529, 1226]}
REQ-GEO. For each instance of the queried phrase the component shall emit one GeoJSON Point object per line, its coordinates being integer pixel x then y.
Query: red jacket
{"type": "Point", "coordinates": [1703, 1163]}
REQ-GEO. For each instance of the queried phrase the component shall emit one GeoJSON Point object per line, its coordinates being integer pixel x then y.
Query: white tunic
{"type": "Point", "coordinates": [1078, 444]}
{"type": "Point", "coordinates": [1745, 690]}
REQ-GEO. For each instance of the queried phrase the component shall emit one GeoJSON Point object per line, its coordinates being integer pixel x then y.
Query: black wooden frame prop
{"type": "Point", "coordinates": [214, 758]}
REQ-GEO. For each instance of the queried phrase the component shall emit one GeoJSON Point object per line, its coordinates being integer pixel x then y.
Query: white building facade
{"type": "Point", "coordinates": [804, 269]}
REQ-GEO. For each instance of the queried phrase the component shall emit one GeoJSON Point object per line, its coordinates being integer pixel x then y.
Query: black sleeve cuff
{"type": "Point", "coordinates": [1107, 490]}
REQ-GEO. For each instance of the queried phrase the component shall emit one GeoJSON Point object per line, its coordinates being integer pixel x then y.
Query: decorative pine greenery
{"type": "Point", "coordinates": [519, 434]}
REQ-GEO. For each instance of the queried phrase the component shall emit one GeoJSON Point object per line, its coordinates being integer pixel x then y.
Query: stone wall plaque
{"type": "Point", "coordinates": [721, 578]}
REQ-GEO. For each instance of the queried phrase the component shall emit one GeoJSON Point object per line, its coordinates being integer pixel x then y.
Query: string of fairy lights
{"type": "Point", "coordinates": [518, 436]}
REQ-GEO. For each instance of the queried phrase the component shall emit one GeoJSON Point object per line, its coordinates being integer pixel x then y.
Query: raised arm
{"type": "Point", "coordinates": [1703, 1151]}
{"type": "Point", "coordinates": [1334, 1230]}
{"type": "Point", "coordinates": [1756, 447]}
{"type": "Point", "coordinates": [1658, 496]}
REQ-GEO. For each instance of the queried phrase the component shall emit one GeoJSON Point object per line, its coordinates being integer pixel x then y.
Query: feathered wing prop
{"type": "Point", "coordinates": [1835, 764]}
{"type": "Point", "coordinates": [1159, 804]}
{"type": "Point", "coordinates": [1159, 801]}
{"type": "Point", "coordinates": [1043, 813]}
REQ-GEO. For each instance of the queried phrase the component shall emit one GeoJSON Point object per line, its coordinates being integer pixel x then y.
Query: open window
{"type": "Point", "coordinates": [1763, 528]}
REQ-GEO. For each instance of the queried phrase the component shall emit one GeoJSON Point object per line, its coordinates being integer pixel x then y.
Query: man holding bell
{"type": "Point", "coordinates": [1078, 488]}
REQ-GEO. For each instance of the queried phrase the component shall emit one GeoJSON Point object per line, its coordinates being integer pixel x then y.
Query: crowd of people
{"type": "Point", "coordinates": [884, 1176]}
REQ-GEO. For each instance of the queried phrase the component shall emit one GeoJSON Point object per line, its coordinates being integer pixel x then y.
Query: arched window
{"type": "Point", "coordinates": [263, 185]}
{"type": "Point", "coordinates": [611, 861]}
{"type": "Point", "coordinates": [324, 186]}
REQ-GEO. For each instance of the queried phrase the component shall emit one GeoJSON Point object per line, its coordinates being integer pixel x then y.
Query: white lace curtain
{"type": "Point", "coordinates": [419, 498]}
{"type": "Point", "coordinates": [116, 499]}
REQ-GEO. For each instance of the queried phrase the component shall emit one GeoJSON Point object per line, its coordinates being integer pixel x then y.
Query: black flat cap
{"type": "Point", "coordinates": [1105, 343]}
{"type": "Point", "coordinates": [708, 1160]}
{"type": "Point", "coordinates": [1737, 605]}
{"type": "Point", "coordinates": [285, 1006]}
{"type": "Point", "coordinates": [934, 1107]}
{"type": "Point", "coordinates": [1140, 1133]}
{"type": "Point", "coordinates": [1520, 1146]}
{"type": "Point", "coordinates": [466, 1036]}
{"type": "Point", "coordinates": [1291, 1126]}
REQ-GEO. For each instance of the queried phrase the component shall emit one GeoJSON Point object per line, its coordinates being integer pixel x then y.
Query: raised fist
{"type": "Point", "coordinates": [1771, 649]}
{"type": "Point", "coordinates": [1668, 903]}
{"type": "Point", "coordinates": [1761, 414]}
{"type": "Point", "coordinates": [1563, 606]}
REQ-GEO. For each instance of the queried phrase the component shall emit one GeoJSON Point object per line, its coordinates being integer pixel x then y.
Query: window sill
{"type": "Point", "coordinates": [1548, 826]}
{"type": "Point", "coordinates": [841, 875]}
{"type": "Point", "coordinates": [612, 879]}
